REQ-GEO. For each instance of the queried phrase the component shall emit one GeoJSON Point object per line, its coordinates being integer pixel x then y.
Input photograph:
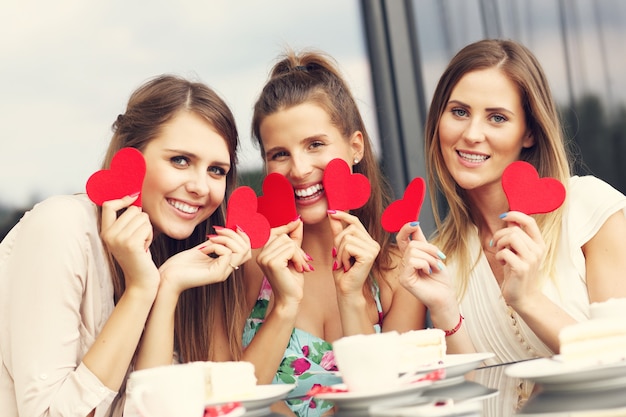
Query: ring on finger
{"type": "Point", "coordinates": [233, 266]}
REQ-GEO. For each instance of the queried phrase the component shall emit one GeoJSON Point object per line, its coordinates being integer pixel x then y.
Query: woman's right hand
{"type": "Point", "coordinates": [424, 274]}
{"type": "Point", "coordinates": [283, 262]}
{"type": "Point", "coordinates": [128, 237]}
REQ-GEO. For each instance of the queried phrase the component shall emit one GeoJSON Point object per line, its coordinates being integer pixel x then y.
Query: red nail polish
{"type": "Point", "coordinates": [308, 257]}
{"type": "Point", "coordinates": [202, 247]}
{"type": "Point", "coordinates": [335, 265]}
{"type": "Point", "coordinates": [334, 252]}
{"type": "Point", "coordinates": [311, 267]}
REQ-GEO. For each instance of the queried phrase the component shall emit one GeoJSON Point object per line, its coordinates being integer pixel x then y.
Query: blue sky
{"type": "Point", "coordinates": [68, 68]}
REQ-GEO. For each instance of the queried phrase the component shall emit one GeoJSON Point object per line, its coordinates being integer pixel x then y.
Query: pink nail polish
{"type": "Point", "coordinates": [335, 265]}
{"type": "Point", "coordinates": [308, 257]}
{"type": "Point", "coordinates": [331, 211]}
{"type": "Point", "coordinates": [334, 252]}
{"type": "Point", "coordinates": [311, 267]}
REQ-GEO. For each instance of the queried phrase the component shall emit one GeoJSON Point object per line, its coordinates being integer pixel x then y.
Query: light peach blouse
{"type": "Point", "coordinates": [56, 295]}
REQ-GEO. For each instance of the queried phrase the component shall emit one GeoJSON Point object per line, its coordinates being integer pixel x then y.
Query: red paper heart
{"type": "Point", "coordinates": [242, 211]}
{"type": "Point", "coordinates": [345, 190]}
{"type": "Point", "coordinates": [277, 203]}
{"type": "Point", "coordinates": [406, 209]}
{"type": "Point", "coordinates": [125, 177]}
{"type": "Point", "coordinates": [528, 193]}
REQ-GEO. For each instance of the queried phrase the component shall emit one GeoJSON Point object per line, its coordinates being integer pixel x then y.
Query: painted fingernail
{"type": "Point", "coordinates": [335, 266]}
{"type": "Point", "coordinates": [413, 224]}
{"type": "Point", "coordinates": [134, 194]}
{"type": "Point", "coordinates": [202, 247]}
{"type": "Point", "coordinates": [490, 242]}
{"type": "Point", "coordinates": [311, 267]}
{"type": "Point", "coordinates": [440, 265]}
{"type": "Point", "coordinates": [211, 236]}
{"type": "Point", "coordinates": [441, 255]}
{"type": "Point", "coordinates": [334, 252]}
{"type": "Point", "coordinates": [503, 215]}
{"type": "Point", "coordinates": [430, 270]}
{"type": "Point", "coordinates": [331, 211]}
{"type": "Point", "coordinates": [308, 257]}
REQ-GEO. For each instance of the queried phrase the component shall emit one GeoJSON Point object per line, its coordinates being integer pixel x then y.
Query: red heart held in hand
{"type": "Point", "coordinates": [345, 190]}
{"type": "Point", "coordinates": [406, 209]}
{"type": "Point", "coordinates": [277, 203]}
{"type": "Point", "coordinates": [242, 211]}
{"type": "Point", "coordinates": [125, 177]}
{"type": "Point", "coordinates": [528, 193]}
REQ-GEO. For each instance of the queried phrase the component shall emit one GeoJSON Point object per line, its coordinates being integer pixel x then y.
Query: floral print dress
{"type": "Point", "coordinates": [304, 361]}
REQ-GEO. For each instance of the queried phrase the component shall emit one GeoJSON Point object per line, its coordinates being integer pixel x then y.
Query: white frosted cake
{"type": "Point", "coordinates": [598, 341]}
{"type": "Point", "coordinates": [421, 348]}
{"type": "Point", "coordinates": [613, 307]}
{"type": "Point", "coordinates": [229, 381]}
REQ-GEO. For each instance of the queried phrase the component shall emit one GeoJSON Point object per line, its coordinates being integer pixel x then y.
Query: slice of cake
{"type": "Point", "coordinates": [420, 348]}
{"type": "Point", "coordinates": [229, 381]}
{"type": "Point", "coordinates": [596, 341]}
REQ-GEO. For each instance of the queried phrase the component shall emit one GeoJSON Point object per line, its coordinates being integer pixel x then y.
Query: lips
{"type": "Point", "coordinates": [308, 192]}
{"type": "Point", "coordinates": [472, 157]}
{"type": "Point", "coordinates": [184, 207]}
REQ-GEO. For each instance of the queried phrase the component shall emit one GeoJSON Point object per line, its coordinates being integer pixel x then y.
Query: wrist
{"type": "Point", "coordinates": [453, 330]}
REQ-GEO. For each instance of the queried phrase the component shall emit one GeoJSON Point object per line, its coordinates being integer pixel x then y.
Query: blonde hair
{"type": "Point", "coordinates": [548, 154]}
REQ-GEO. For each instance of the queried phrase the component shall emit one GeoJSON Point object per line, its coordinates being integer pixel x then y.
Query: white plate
{"type": "Point", "coordinates": [261, 399]}
{"type": "Point", "coordinates": [458, 364]}
{"type": "Point", "coordinates": [460, 392]}
{"type": "Point", "coordinates": [554, 374]}
{"type": "Point", "coordinates": [430, 409]}
{"type": "Point", "coordinates": [400, 395]}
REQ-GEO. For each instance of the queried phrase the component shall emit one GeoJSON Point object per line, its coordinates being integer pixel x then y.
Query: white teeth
{"type": "Point", "coordinates": [473, 157]}
{"type": "Point", "coordinates": [307, 192]}
{"type": "Point", "coordinates": [186, 208]}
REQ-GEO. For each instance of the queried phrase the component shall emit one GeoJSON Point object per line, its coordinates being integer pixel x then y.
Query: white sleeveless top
{"type": "Point", "coordinates": [495, 327]}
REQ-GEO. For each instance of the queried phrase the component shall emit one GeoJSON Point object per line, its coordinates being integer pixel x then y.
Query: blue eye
{"type": "Point", "coordinates": [180, 161]}
{"type": "Point", "coordinates": [498, 118]}
{"type": "Point", "coordinates": [219, 171]}
{"type": "Point", "coordinates": [459, 112]}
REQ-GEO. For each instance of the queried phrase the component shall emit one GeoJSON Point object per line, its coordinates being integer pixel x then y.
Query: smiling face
{"type": "Point", "coordinates": [482, 129]}
{"type": "Point", "coordinates": [186, 166]}
{"type": "Point", "coordinates": [299, 142]}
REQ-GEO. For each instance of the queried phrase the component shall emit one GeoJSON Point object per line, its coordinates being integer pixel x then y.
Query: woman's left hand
{"type": "Point", "coordinates": [355, 254]}
{"type": "Point", "coordinates": [521, 250]}
{"type": "Point", "coordinates": [210, 262]}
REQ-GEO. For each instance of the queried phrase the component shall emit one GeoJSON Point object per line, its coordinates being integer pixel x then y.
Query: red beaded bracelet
{"type": "Point", "coordinates": [456, 328]}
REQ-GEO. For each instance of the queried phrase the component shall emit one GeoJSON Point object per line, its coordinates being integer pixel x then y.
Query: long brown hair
{"type": "Point", "coordinates": [313, 77]}
{"type": "Point", "coordinates": [548, 154]}
{"type": "Point", "coordinates": [151, 106]}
